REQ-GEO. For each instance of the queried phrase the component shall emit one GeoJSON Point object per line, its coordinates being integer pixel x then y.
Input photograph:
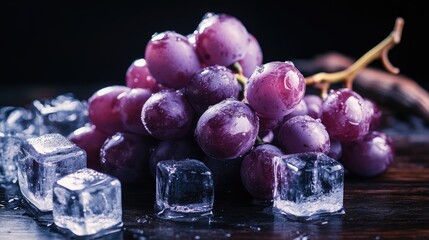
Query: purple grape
{"type": "Point", "coordinates": [314, 103]}
{"type": "Point", "coordinates": [171, 59]}
{"type": "Point", "coordinates": [226, 173]}
{"type": "Point", "coordinates": [299, 110]}
{"type": "Point", "coordinates": [253, 57]}
{"type": "Point", "coordinates": [221, 39]}
{"type": "Point", "coordinates": [126, 156]}
{"type": "Point", "coordinates": [369, 156]}
{"type": "Point", "coordinates": [303, 134]}
{"type": "Point", "coordinates": [275, 89]}
{"type": "Point", "coordinates": [257, 171]}
{"type": "Point", "coordinates": [131, 104]}
{"type": "Point", "coordinates": [266, 125]}
{"type": "Point", "coordinates": [269, 137]}
{"type": "Point", "coordinates": [90, 139]}
{"type": "Point", "coordinates": [138, 76]}
{"type": "Point", "coordinates": [103, 109]}
{"type": "Point", "coordinates": [176, 149]}
{"type": "Point", "coordinates": [335, 150]}
{"type": "Point", "coordinates": [375, 112]}
{"type": "Point", "coordinates": [211, 85]}
{"type": "Point", "coordinates": [167, 115]}
{"type": "Point", "coordinates": [345, 115]}
{"type": "Point", "coordinates": [227, 130]}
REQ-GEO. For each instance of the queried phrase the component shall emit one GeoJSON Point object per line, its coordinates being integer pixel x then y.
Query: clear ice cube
{"type": "Point", "coordinates": [62, 114]}
{"type": "Point", "coordinates": [9, 154]}
{"type": "Point", "coordinates": [184, 190]}
{"type": "Point", "coordinates": [308, 184]}
{"type": "Point", "coordinates": [45, 159]}
{"type": "Point", "coordinates": [87, 202]}
{"type": "Point", "coordinates": [18, 121]}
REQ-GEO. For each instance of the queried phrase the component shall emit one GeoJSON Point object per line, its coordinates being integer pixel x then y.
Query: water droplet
{"type": "Point", "coordinates": [141, 220]}
{"type": "Point", "coordinates": [290, 63]}
{"type": "Point", "coordinates": [255, 228]}
{"type": "Point", "coordinates": [207, 15]}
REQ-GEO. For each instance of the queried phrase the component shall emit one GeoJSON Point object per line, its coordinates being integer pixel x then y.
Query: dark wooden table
{"type": "Point", "coordinates": [394, 205]}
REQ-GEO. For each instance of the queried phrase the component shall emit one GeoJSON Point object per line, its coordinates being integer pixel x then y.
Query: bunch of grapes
{"type": "Point", "coordinates": [209, 96]}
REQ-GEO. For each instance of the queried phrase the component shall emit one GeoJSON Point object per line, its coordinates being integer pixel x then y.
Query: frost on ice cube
{"type": "Point", "coordinates": [184, 190]}
{"type": "Point", "coordinates": [87, 202]}
{"type": "Point", "coordinates": [308, 184]}
{"type": "Point", "coordinates": [44, 160]}
{"type": "Point", "coordinates": [62, 114]}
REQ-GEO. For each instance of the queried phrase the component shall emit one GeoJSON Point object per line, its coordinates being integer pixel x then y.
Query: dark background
{"type": "Point", "coordinates": [73, 46]}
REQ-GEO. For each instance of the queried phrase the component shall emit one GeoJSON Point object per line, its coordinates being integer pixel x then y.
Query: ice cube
{"type": "Point", "coordinates": [9, 154]}
{"type": "Point", "coordinates": [62, 114]}
{"type": "Point", "coordinates": [18, 121]}
{"type": "Point", "coordinates": [45, 159]}
{"type": "Point", "coordinates": [87, 202]}
{"type": "Point", "coordinates": [184, 190]}
{"type": "Point", "coordinates": [308, 184]}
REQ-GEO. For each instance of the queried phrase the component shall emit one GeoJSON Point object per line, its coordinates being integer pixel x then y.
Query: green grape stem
{"type": "Point", "coordinates": [323, 80]}
{"type": "Point", "coordinates": [239, 74]}
{"type": "Point", "coordinates": [242, 80]}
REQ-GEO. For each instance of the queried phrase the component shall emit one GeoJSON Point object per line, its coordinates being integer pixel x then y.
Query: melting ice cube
{"type": "Point", "coordinates": [307, 184]}
{"type": "Point", "coordinates": [16, 124]}
{"type": "Point", "coordinates": [43, 161]}
{"type": "Point", "coordinates": [18, 121]}
{"type": "Point", "coordinates": [87, 202]}
{"type": "Point", "coordinates": [184, 189]}
{"type": "Point", "coordinates": [9, 154]}
{"type": "Point", "coordinates": [62, 114]}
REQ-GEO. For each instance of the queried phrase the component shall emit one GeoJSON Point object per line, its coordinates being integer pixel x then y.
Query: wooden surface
{"type": "Point", "coordinates": [392, 206]}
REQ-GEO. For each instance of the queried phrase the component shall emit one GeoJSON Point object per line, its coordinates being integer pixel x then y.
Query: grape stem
{"type": "Point", "coordinates": [323, 80]}
{"type": "Point", "coordinates": [239, 74]}
{"type": "Point", "coordinates": [242, 80]}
